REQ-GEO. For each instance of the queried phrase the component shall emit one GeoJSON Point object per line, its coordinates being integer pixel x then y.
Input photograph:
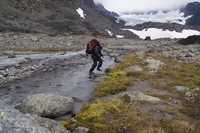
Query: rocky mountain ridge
{"type": "Point", "coordinates": [164, 26]}
{"type": "Point", "coordinates": [192, 9]}
{"type": "Point", "coordinates": [55, 17]}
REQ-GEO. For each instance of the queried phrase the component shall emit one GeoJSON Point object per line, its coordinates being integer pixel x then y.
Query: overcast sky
{"type": "Point", "coordinates": [142, 5]}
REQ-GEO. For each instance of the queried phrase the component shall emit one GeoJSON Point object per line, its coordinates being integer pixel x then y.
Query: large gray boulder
{"type": "Point", "coordinates": [13, 121]}
{"type": "Point", "coordinates": [46, 105]}
{"type": "Point", "coordinates": [181, 88]}
{"type": "Point", "coordinates": [153, 65]}
{"type": "Point", "coordinates": [139, 96]}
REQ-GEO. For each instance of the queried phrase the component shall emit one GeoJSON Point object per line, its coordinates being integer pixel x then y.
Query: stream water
{"type": "Point", "coordinates": [70, 78]}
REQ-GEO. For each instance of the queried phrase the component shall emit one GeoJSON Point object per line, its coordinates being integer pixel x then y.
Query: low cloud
{"type": "Point", "coordinates": [121, 6]}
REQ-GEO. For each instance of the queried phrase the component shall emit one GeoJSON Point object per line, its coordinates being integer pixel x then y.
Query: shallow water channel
{"type": "Point", "coordinates": [69, 77]}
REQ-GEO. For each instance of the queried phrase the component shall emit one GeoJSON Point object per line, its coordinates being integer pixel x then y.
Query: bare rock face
{"type": "Point", "coordinates": [49, 17]}
{"type": "Point", "coordinates": [13, 121]}
{"type": "Point", "coordinates": [148, 38]}
{"type": "Point", "coordinates": [195, 39]}
{"type": "Point", "coordinates": [46, 105]}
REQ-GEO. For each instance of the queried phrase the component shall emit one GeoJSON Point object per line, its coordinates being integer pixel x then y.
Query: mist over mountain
{"type": "Point", "coordinates": [188, 15]}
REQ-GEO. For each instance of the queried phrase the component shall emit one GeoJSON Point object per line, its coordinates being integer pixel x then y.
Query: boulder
{"type": "Point", "coordinates": [175, 67]}
{"type": "Point", "coordinates": [46, 105]}
{"type": "Point", "coordinates": [34, 38]}
{"type": "Point", "coordinates": [147, 38]}
{"type": "Point", "coordinates": [113, 55]}
{"type": "Point", "coordinates": [23, 61]}
{"type": "Point", "coordinates": [109, 68]}
{"type": "Point", "coordinates": [118, 59]}
{"type": "Point", "coordinates": [195, 39]}
{"type": "Point", "coordinates": [153, 65]}
{"type": "Point", "coordinates": [11, 56]}
{"type": "Point", "coordinates": [134, 68]}
{"type": "Point", "coordinates": [2, 78]}
{"type": "Point", "coordinates": [136, 95]}
{"type": "Point", "coordinates": [190, 55]}
{"type": "Point", "coordinates": [181, 88]}
{"type": "Point", "coordinates": [13, 121]}
{"type": "Point", "coordinates": [81, 130]}
{"type": "Point", "coordinates": [197, 64]}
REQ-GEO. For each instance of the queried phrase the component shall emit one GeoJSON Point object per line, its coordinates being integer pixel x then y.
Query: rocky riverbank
{"type": "Point", "coordinates": [53, 72]}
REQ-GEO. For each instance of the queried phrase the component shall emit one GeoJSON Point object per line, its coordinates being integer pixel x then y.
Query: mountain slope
{"type": "Point", "coordinates": [55, 17]}
{"type": "Point", "coordinates": [99, 7]}
{"type": "Point", "coordinates": [192, 9]}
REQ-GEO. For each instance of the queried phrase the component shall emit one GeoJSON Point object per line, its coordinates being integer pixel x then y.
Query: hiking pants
{"type": "Point", "coordinates": [95, 60]}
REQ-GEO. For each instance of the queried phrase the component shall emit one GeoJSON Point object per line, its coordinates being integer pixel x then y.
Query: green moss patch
{"type": "Point", "coordinates": [187, 75]}
{"type": "Point", "coordinates": [118, 79]}
{"type": "Point", "coordinates": [116, 115]}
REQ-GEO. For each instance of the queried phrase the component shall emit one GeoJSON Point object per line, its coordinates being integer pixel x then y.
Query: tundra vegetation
{"type": "Point", "coordinates": [111, 113]}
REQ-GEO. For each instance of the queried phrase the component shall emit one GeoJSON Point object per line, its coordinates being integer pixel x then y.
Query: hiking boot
{"type": "Point", "coordinates": [99, 69]}
{"type": "Point", "coordinates": [90, 72]}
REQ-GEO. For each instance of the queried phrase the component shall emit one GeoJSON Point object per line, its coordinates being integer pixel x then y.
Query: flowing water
{"type": "Point", "coordinates": [69, 77]}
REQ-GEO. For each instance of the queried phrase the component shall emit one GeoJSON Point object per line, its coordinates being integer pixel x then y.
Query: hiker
{"type": "Point", "coordinates": [97, 57]}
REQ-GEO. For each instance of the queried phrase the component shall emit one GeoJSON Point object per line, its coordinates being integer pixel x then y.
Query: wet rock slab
{"type": "Point", "coordinates": [46, 105]}
{"type": "Point", "coordinates": [13, 121]}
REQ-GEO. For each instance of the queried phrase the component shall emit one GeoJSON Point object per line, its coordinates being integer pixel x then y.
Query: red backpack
{"type": "Point", "coordinates": [90, 46]}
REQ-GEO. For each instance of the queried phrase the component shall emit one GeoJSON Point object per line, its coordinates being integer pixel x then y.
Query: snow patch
{"type": "Point", "coordinates": [109, 32]}
{"type": "Point", "coordinates": [159, 33]}
{"type": "Point", "coordinates": [117, 21]}
{"type": "Point", "coordinates": [119, 36]}
{"type": "Point", "coordinates": [174, 16]}
{"type": "Point", "coordinates": [81, 13]}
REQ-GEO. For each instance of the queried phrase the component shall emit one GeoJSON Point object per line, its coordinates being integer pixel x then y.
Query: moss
{"type": "Point", "coordinates": [93, 116]}
{"type": "Point", "coordinates": [191, 109]}
{"type": "Point", "coordinates": [114, 83]}
{"type": "Point", "coordinates": [135, 74]}
{"type": "Point", "coordinates": [188, 75]}
{"type": "Point", "coordinates": [118, 79]}
{"type": "Point", "coordinates": [116, 115]}
{"type": "Point", "coordinates": [178, 126]}
{"type": "Point", "coordinates": [2, 114]}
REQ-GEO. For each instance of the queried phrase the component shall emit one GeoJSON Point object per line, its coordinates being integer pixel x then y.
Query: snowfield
{"type": "Point", "coordinates": [159, 33]}
{"type": "Point", "coordinates": [173, 16]}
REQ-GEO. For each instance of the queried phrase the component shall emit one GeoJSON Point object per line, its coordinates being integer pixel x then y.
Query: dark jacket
{"type": "Point", "coordinates": [97, 51]}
